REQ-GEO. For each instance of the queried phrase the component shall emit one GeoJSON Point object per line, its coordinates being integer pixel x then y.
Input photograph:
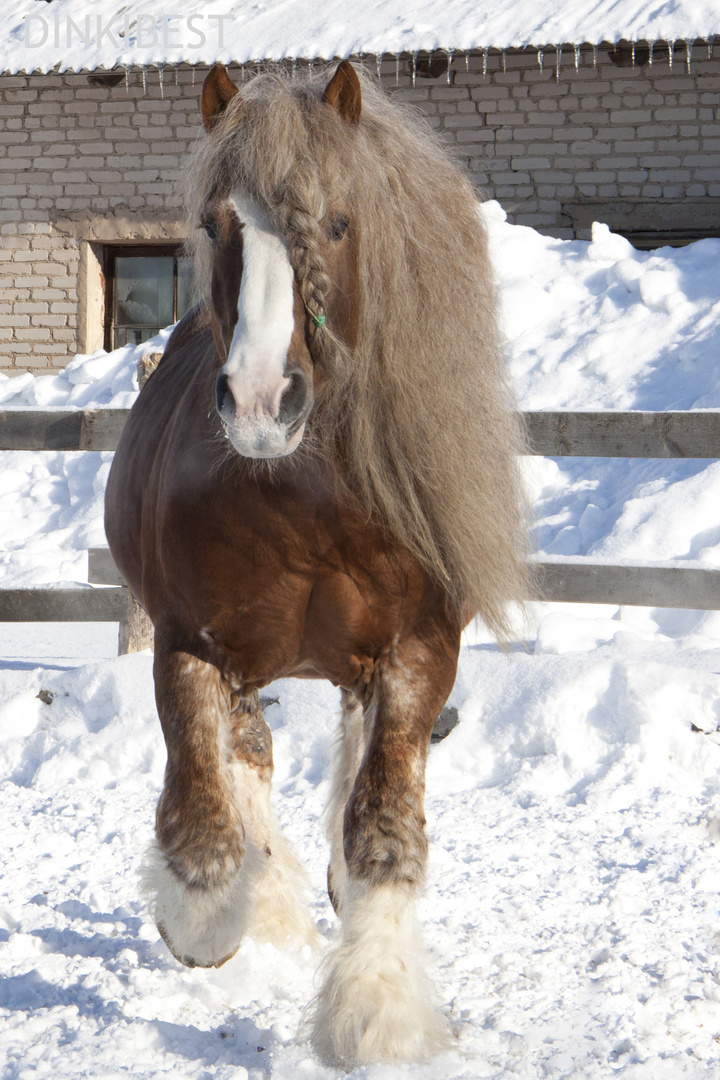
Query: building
{"type": "Point", "coordinates": [565, 114]}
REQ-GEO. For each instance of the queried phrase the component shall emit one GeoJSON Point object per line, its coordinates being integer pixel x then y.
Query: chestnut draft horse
{"type": "Point", "coordinates": [319, 480]}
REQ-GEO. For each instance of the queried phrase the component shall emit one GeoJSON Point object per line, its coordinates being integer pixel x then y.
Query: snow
{"type": "Point", "coordinates": [572, 906]}
{"type": "Point", "coordinates": [74, 35]}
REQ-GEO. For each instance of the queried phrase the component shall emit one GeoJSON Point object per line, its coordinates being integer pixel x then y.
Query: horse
{"type": "Point", "coordinates": [319, 480]}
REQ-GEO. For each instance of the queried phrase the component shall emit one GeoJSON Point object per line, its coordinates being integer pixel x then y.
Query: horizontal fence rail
{"type": "Point", "coordinates": [587, 582]}
{"type": "Point", "coordinates": [61, 429]}
{"type": "Point", "coordinates": [572, 581]}
{"type": "Point", "coordinates": [677, 434]}
{"type": "Point", "coordinates": [65, 605]}
{"type": "Point", "coordinates": [102, 569]}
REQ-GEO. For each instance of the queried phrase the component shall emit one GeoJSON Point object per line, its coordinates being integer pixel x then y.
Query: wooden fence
{"type": "Point", "coordinates": [550, 434]}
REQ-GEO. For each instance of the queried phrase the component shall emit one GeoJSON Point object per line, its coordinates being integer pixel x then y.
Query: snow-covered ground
{"type": "Point", "coordinates": [573, 896]}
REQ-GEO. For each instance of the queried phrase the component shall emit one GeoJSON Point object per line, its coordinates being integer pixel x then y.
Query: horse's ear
{"type": "Point", "coordinates": [343, 92]}
{"type": "Point", "coordinates": [217, 93]}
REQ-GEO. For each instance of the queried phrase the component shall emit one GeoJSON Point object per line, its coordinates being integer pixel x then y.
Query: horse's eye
{"type": "Point", "coordinates": [210, 230]}
{"type": "Point", "coordinates": [337, 229]}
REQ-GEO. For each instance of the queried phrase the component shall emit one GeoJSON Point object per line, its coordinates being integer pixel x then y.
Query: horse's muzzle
{"type": "Point", "coordinates": [259, 430]}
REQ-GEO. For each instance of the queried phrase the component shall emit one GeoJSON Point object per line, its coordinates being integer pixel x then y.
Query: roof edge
{"type": "Point", "coordinates": [555, 49]}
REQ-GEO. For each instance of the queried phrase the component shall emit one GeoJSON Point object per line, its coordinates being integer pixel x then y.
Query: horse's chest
{"type": "Point", "coordinates": [310, 613]}
{"type": "Point", "coordinates": [282, 586]}
{"type": "Point", "coordinates": [312, 624]}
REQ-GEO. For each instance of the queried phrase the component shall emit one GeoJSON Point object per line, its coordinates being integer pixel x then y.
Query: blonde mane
{"type": "Point", "coordinates": [419, 417]}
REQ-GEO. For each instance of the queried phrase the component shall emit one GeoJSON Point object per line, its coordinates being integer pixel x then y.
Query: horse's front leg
{"type": "Point", "coordinates": [200, 875]}
{"type": "Point", "coordinates": [220, 868]}
{"type": "Point", "coordinates": [377, 1002]}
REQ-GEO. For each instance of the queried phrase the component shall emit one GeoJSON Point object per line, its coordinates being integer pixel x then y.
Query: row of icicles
{"type": "Point", "coordinates": [647, 50]}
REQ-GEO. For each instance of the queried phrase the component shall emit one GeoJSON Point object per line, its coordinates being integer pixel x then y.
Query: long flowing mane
{"type": "Point", "coordinates": [419, 417]}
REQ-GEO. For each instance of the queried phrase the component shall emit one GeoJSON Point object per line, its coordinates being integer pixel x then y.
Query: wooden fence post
{"type": "Point", "coordinates": [136, 631]}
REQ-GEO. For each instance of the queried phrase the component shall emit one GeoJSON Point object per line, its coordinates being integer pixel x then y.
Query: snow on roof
{"type": "Point", "coordinates": [84, 35]}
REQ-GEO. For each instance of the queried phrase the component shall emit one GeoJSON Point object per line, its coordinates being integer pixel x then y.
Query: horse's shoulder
{"type": "Point", "coordinates": [190, 334]}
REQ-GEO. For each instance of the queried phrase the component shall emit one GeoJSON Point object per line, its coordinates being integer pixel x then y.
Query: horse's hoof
{"type": "Point", "coordinates": [189, 961]}
{"type": "Point", "coordinates": [201, 927]}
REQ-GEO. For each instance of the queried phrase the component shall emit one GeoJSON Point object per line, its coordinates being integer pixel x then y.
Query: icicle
{"type": "Point", "coordinates": [467, 61]}
{"type": "Point", "coordinates": [671, 50]}
{"type": "Point", "coordinates": [176, 74]}
{"type": "Point", "coordinates": [294, 67]}
{"type": "Point", "coordinates": [632, 54]}
{"type": "Point", "coordinates": [397, 69]}
{"type": "Point", "coordinates": [594, 49]}
{"type": "Point", "coordinates": [651, 46]}
{"type": "Point", "coordinates": [193, 75]}
{"type": "Point", "coordinates": [485, 56]}
{"type": "Point", "coordinates": [576, 50]}
{"type": "Point", "coordinates": [540, 58]}
{"type": "Point", "coordinates": [449, 67]}
{"type": "Point", "coordinates": [378, 64]}
{"type": "Point", "coordinates": [710, 48]}
{"type": "Point", "coordinates": [558, 62]}
{"type": "Point", "coordinates": [161, 70]}
{"type": "Point", "coordinates": [144, 78]}
{"type": "Point", "coordinates": [127, 79]}
{"type": "Point", "coordinates": [503, 54]}
{"type": "Point", "coordinates": [688, 55]}
{"type": "Point", "coordinates": [414, 67]}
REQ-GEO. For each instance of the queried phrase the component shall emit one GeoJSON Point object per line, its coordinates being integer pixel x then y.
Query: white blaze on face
{"type": "Point", "coordinates": [256, 360]}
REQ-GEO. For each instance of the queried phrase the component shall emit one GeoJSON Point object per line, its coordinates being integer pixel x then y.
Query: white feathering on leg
{"type": "Point", "coordinates": [377, 1002]}
{"type": "Point", "coordinates": [345, 765]}
{"type": "Point", "coordinates": [280, 891]}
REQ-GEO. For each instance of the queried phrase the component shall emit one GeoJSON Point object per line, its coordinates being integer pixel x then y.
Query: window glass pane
{"type": "Point", "coordinates": [133, 335]}
{"type": "Point", "coordinates": [143, 290]}
{"type": "Point", "coordinates": [184, 285]}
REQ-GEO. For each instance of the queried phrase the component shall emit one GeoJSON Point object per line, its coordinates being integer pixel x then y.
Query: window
{"type": "Point", "coordinates": [649, 223]}
{"type": "Point", "coordinates": [649, 239]}
{"type": "Point", "coordinates": [147, 288]}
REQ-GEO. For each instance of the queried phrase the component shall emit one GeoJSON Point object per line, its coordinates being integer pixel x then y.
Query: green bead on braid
{"type": "Point", "coordinates": [318, 320]}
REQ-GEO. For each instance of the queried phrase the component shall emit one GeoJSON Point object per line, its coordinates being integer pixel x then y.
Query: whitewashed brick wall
{"type": "Point", "coordinates": [600, 133]}
{"type": "Point", "coordinates": [84, 164]}
{"type": "Point", "coordinates": [80, 163]}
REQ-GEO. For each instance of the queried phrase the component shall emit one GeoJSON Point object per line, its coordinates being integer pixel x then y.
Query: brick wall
{"type": "Point", "coordinates": [546, 146]}
{"type": "Point", "coordinates": [84, 165]}
{"type": "Point", "coordinates": [81, 166]}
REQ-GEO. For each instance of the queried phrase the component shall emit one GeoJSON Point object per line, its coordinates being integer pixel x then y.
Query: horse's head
{"type": "Point", "coordinates": [270, 302]}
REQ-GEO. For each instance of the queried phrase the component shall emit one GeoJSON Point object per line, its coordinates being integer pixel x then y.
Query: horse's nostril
{"type": "Point", "coordinates": [294, 398]}
{"type": "Point", "coordinates": [222, 389]}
